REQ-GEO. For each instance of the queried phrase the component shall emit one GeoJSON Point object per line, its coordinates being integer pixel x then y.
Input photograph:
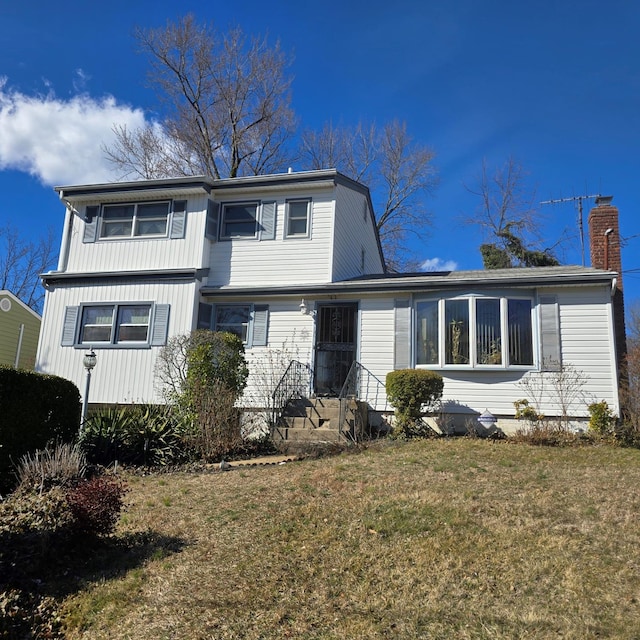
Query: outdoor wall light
{"type": "Point", "coordinates": [304, 310]}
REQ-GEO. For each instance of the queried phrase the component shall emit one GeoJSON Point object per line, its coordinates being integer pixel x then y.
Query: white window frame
{"type": "Point", "coordinates": [246, 326]}
{"type": "Point", "coordinates": [289, 218]}
{"type": "Point", "coordinates": [223, 222]}
{"type": "Point", "coordinates": [135, 220]}
{"type": "Point", "coordinates": [116, 324]}
{"type": "Point", "coordinates": [474, 363]}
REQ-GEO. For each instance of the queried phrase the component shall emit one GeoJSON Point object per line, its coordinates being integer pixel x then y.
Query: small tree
{"type": "Point", "coordinates": [204, 374]}
{"type": "Point", "coordinates": [411, 392]}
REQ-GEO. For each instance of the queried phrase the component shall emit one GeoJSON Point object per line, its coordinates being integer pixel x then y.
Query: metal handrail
{"type": "Point", "coordinates": [363, 385]}
{"type": "Point", "coordinates": [295, 383]}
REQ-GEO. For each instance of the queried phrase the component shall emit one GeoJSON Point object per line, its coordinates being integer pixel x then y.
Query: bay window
{"type": "Point", "coordinates": [474, 331]}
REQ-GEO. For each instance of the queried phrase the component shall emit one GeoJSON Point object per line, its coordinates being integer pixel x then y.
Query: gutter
{"type": "Point", "coordinates": [53, 278]}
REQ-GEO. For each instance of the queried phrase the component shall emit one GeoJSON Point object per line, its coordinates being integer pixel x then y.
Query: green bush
{"type": "Point", "coordinates": [149, 435]}
{"type": "Point", "coordinates": [36, 409]}
{"type": "Point", "coordinates": [413, 392]}
{"type": "Point", "coordinates": [602, 421]}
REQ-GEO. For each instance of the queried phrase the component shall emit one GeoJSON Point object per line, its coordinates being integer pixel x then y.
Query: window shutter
{"type": "Point", "coordinates": [160, 325]}
{"type": "Point", "coordinates": [213, 212]}
{"type": "Point", "coordinates": [69, 326]}
{"type": "Point", "coordinates": [90, 224]}
{"type": "Point", "coordinates": [268, 222]}
{"type": "Point", "coordinates": [205, 315]}
{"type": "Point", "coordinates": [402, 346]}
{"type": "Point", "coordinates": [178, 219]}
{"type": "Point", "coordinates": [260, 322]}
{"type": "Point", "coordinates": [551, 353]}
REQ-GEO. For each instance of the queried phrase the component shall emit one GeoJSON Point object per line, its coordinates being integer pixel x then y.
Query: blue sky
{"type": "Point", "coordinates": [555, 84]}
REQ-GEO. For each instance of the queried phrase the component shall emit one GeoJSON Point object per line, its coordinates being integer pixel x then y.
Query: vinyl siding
{"type": "Point", "coordinates": [141, 253]}
{"type": "Point", "coordinates": [249, 262]}
{"type": "Point", "coordinates": [352, 234]}
{"type": "Point", "coordinates": [10, 323]}
{"type": "Point", "coordinates": [121, 375]}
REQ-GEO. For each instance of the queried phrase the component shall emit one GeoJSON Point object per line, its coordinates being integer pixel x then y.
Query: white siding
{"type": "Point", "coordinates": [353, 234]}
{"type": "Point", "coordinates": [141, 253]}
{"type": "Point", "coordinates": [121, 375]}
{"type": "Point", "coordinates": [251, 262]}
{"type": "Point", "coordinates": [587, 346]}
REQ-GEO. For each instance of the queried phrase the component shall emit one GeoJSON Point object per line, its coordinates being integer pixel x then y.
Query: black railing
{"type": "Point", "coordinates": [295, 383]}
{"type": "Point", "coordinates": [362, 385]}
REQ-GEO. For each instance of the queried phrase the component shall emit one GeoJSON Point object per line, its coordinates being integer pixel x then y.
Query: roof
{"type": "Point", "coordinates": [14, 298]}
{"type": "Point", "coordinates": [328, 177]}
{"type": "Point", "coordinates": [437, 280]}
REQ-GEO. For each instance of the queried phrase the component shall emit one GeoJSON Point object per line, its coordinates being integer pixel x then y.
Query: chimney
{"type": "Point", "coordinates": [604, 242]}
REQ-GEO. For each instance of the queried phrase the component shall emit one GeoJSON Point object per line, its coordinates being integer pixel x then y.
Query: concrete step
{"type": "Point", "coordinates": [308, 435]}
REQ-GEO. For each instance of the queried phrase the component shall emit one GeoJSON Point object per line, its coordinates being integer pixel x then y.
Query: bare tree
{"type": "Point", "coordinates": [399, 172]}
{"type": "Point", "coordinates": [226, 99]}
{"type": "Point", "coordinates": [509, 219]}
{"type": "Point", "coordinates": [22, 262]}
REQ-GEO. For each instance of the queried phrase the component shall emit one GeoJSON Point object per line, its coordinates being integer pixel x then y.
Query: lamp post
{"type": "Point", "coordinates": [89, 362]}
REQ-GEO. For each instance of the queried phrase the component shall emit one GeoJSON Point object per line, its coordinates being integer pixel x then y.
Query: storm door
{"type": "Point", "coordinates": [335, 346]}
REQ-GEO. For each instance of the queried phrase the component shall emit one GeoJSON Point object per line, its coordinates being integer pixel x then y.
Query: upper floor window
{"type": "Point", "coordinates": [239, 220]}
{"type": "Point", "coordinates": [297, 223]}
{"type": "Point", "coordinates": [134, 220]}
{"type": "Point", "coordinates": [474, 331]}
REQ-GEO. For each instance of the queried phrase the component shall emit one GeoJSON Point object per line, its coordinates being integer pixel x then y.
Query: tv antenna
{"type": "Point", "coordinates": [579, 200]}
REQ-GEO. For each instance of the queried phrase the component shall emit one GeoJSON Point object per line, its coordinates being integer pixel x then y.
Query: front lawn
{"type": "Point", "coordinates": [452, 538]}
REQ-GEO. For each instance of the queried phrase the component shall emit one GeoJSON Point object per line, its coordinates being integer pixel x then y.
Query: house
{"type": "Point", "coordinates": [19, 330]}
{"type": "Point", "coordinates": [292, 263]}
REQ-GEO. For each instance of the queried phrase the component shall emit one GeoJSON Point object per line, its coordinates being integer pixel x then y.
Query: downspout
{"type": "Point", "coordinates": [17, 362]}
{"type": "Point", "coordinates": [66, 235]}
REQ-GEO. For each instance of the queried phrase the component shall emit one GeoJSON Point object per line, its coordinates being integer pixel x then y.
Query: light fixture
{"type": "Point", "coordinates": [89, 361]}
{"type": "Point", "coordinates": [303, 308]}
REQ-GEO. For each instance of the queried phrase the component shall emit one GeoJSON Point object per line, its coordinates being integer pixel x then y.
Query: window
{"type": "Point", "coordinates": [239, 220]}
{"type": "Point", "coordinates": [248, 321]}
{"type": "Point", "coordinates": [297, 218]}
{"type": "Point", "coordinates": [124, 325]}
{"type": "Point", "coordinates": [474, 332]}
{"type": "Point", "coordinates": [233, 318]}
{"type": "Point", "coordinates": [134, 220]}
{"type": "Point", "coordinates": [115, 324]}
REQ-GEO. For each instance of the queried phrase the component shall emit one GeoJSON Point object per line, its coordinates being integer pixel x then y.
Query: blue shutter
{"type": "Point", "coordinates": [268, 222]}
{"type": "Point", "coordinates": [160, 327]}
{"type": "Point", "coordinates": [213, 212]}
{"type": "Point", "coordinates": [551, 353]}
{"type": "Point", "coordinates": [178, 219]}
{"type": "Point", "coordinates": [402, 344]}
{"type": "Point", "coordinates": [260, 322]}
{"type": "Point", "coordinates": [205, 315]}
{"type": "Point", "coordinates": [69, 326]}
{"type": "Point", "coordinates": [90, 224]}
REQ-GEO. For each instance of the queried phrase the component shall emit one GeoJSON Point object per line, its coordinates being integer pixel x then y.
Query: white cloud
{"type": "Point", "coordinates": [60, 141]}
{"type": "Point", "coordinates": [437, 264]}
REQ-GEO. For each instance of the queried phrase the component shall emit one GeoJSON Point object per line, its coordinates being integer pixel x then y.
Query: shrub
{"type": "Point", "coordinates": [412, 392]}
{"type": "Point", "coordinates": [62, 465]}
{"type": "Point", "coordinates": [96, 504]}
{"type": "Point", "coordinates": [36, 409]}
{"type": "Point", "coordinates": [148, 435]}
{"type": "Point", "coordinates": [602, 421]}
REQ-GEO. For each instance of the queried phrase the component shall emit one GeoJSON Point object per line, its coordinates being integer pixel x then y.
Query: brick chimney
{"type": "Point", "coordinates": [604, 241]}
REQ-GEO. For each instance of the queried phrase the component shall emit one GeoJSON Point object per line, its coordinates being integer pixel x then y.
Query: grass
{"type": "Point", "coordinates": [434, 539]}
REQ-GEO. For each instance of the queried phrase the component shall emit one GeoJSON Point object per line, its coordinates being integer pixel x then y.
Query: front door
{"type": "Point", "coordinates": [335, 346]}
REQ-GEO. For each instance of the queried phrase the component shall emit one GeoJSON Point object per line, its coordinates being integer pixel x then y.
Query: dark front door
{"type": "Point", "coordinates": [335, 346]}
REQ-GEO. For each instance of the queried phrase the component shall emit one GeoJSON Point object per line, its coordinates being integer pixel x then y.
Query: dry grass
{"type": "Point", "coordinates": [436, 539]}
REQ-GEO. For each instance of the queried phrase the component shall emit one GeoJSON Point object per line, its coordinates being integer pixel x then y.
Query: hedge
{"type": "Point", "coordinates": [35, 409]}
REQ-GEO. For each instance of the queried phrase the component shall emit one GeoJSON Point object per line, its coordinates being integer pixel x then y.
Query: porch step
{"type": "Point", "coordinates": [318, 420]}
{"type": "Point", "coordinates": [289, 434]}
